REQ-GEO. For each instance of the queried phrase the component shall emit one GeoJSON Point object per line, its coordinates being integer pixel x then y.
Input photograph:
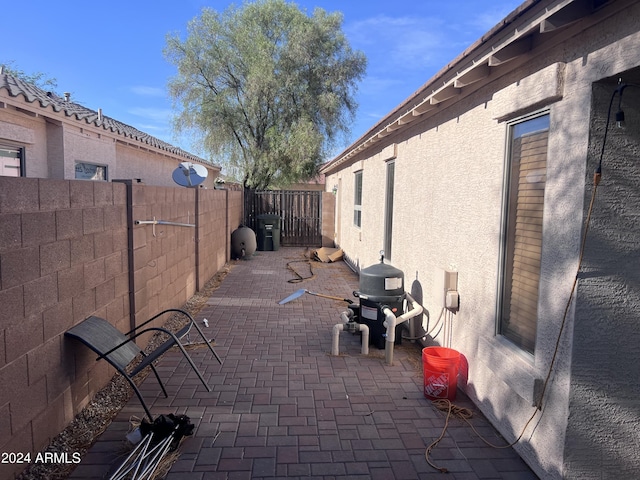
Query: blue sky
{"type": "Point", "coordinates": [109, 54]}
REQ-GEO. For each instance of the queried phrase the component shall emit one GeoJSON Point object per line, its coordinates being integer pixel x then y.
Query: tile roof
{"type": "Point", "coordinates": [31, 94]}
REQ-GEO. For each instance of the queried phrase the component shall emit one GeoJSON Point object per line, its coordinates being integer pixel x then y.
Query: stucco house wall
{"type": "Point", "coordinates": [30, 131]}
{"type": "Point", "coordinates": [82, 145]}
{"type": "Point", "coordinates": [604, 387]}
{"type": "Point", "coordinates": [447, 215]}
{"type": "Point", "coordinates": [57, 133]}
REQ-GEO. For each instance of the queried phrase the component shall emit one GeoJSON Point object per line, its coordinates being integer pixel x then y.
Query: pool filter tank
{"type": "Point", "coordinates": [381, 285]}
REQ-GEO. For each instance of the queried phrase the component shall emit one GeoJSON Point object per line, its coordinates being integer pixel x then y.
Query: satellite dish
{"type": "Point", "coordinates": [189, 175]}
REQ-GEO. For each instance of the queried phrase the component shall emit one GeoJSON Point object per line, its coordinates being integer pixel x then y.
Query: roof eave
{"type": "Point", "coordinates": [495, 48]}
{"type": "Point", "coordinates": [46, 101]}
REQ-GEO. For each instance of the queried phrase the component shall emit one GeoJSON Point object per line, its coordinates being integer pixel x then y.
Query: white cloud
{"type": "Point", "coordinates": [147, 127]}
{"type": "Point", "coordinates": [422, 42]}
{"type": "Point", "coordinates": [398, 42]}
{"type": "Point", "coordinates": [488, 19]}
{"type": "Point", "coordinates": [375, 85]}
{"type": "Point", "coordinates": [149, 91]}
{"type": "Point", "coordinates": [153, 114]}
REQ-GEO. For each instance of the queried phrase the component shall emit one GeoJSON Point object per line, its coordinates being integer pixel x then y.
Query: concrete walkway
{"type": "Point", "coordinates": [282, 407]}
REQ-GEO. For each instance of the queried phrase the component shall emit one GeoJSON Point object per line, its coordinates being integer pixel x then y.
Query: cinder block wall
{"type": "Point", "coordinates": [164, 256]}
{"type": "Point", "coordinates": [213, 216]}
{"type": "Point", "coordinates": [64, 255]}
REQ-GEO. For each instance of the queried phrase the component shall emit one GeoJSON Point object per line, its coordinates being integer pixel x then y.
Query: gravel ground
{"type": "Point", "coordinates": [87, 426]}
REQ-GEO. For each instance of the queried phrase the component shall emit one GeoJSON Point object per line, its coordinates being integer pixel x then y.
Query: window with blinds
{"type": "Point", "coordinates": [11, 161]}
{"type": "Point", "coordinates": [526, 179]}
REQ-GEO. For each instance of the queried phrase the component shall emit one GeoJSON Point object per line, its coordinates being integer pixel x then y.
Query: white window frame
{"type": "Point", "coordinates": [84, 170]}
{"type": "Point", "coordinates": [11, 161]}
{"type": "Point", "coordinates": [505, 287]}
{"type": "Point", "coordinates": [357, 199]}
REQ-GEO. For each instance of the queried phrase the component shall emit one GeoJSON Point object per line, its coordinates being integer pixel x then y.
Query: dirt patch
{"type": "Point", "coordinates": [93, 420]}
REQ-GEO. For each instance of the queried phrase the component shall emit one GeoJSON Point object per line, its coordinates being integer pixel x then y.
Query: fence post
{"type": "Point", "coordinates": [130, 264]}
{"type": "Point", "coordinates": [197, 237]}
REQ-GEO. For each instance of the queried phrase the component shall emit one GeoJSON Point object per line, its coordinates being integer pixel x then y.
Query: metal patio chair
{"type": "Point", "coordinates": [119, 349]}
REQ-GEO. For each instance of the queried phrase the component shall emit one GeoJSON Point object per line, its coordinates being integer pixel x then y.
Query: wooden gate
{"type": "Point", "coordinates": [300, 213]}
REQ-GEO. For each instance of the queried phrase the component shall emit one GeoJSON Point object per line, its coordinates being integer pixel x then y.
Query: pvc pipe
{"type": "Point", "coordinates": [163, 222]}
{"type": "Point", "coordinates": [365, 339]}
{"type": "Point", "coordinates": [155, 222]}
{"type": "Point", "coordinates": [335, 345]}
{"type": "Point", "coordinates": [391, 321]}
{"type": "Point", "coordinates": [339, 327]}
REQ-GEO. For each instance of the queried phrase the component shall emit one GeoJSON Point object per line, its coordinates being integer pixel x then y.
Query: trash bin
{"type": "Point", "coordinates": [268, 232]}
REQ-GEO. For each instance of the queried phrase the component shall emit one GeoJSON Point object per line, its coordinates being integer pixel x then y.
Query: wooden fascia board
{"type": "Point", "coordinates": [515, 45]}
{"type": "Point", "coordinates": [511, 51]}
{"type": "Point", "coordinates": [569, 14]}
{"type": "Point", "coordinates": [475, 74]}
{"type": "Point", "coordinates": [406, 118]}
{"type": "Point", "coordinates": [392, 127]}
{"type": "Point", "coordinates": [423, 108]}
{"type": "Point", "coordinates": [445, 93]}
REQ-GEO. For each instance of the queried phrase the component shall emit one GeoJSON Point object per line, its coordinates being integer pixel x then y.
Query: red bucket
{"type": "Point", "coordinates": [440, 367]}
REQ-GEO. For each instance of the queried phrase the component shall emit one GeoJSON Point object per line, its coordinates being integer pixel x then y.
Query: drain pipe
{"type": "Point", "coordinates": [350, 326]}
{"type": "Point", "coordinates": [392, 321]}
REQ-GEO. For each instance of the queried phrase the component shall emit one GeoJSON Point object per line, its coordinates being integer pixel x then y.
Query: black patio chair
{"type": "Point", "coordinates": [120, 349]}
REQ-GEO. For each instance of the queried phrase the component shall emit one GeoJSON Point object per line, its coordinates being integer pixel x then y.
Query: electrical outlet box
{"type": "Point", "coordinates": [452, 300]}
{"type": "Point", "coordinates": [451, 296]}
{"type": "Point", "coordinates": [450, 280]}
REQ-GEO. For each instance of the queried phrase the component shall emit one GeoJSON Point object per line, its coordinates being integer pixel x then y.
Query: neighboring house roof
{"type": "Point", "coordinates": [481, 62]}
{"type": "Point", "coordinates": [317, 180]}
{"type": "Point", "coordinates": [16, 87]}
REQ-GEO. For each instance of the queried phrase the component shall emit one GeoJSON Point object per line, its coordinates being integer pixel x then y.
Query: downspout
{"type": "Point", "coordinates": [391, 321]}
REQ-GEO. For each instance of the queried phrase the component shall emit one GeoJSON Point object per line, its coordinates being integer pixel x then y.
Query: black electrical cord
{"type": "Point", "coordinates": [619, 115]}
{"type": "Point", "coordinates": [452, 409]}
{"type": "Point", "coordinates": [619, 118]}
{"type": "Point", "coordinates": [299, 278]}
{"type": "Point", "coordinates": [427, 331]}
{"type": "Point", "coordinates": [597, 176]}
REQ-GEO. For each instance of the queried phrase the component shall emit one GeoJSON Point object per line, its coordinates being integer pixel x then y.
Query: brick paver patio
{"type": "Point", "coordinates": [282, 407]}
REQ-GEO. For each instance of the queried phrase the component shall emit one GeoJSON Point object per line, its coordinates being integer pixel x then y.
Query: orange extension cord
{"type": "Point", "coordinates": [464, 413]}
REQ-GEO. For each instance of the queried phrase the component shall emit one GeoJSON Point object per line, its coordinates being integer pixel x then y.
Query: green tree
{"type": "Point", "coordinates": [38, 79]}
{"type": "Point", "coordinates": [266, 88]}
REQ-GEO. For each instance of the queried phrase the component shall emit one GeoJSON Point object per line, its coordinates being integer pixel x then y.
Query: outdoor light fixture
{"type": "Point", "coordinates": [620, 91]}
{"type": "Point", "coordinates": [335, 189]}
{"type": "Point", "coordinates": [619, 122]}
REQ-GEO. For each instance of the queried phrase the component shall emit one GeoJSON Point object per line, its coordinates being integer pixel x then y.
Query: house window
{"type": "Point", "coordinates": [524, 205]}
{"type": "Point", "coordinates": [11, 161]}
{"type": "Point", "coordinates": [357, 202]}
{"type": "Point", "coordinates": [388, 213]}
{"type": "Point", "coordinates": [90, 171]}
